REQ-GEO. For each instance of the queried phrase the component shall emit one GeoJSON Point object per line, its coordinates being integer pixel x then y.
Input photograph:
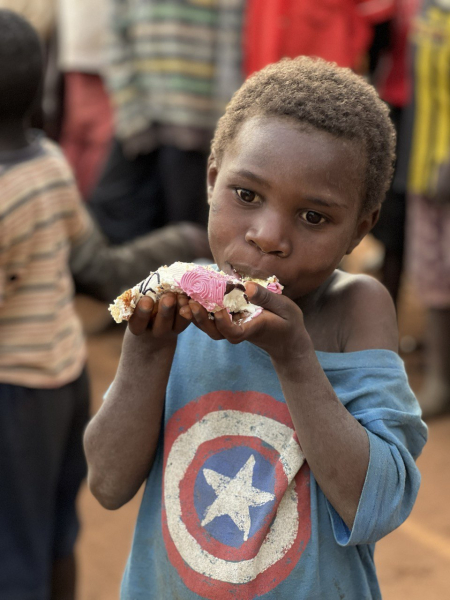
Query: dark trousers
{"type": "Point", "coordinates": [134, 197]}
{"type": "Point", "coordinates": [42, 465]}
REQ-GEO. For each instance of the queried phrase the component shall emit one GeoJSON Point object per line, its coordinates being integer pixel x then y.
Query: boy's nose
{"type": "Point", "coordinates": [270, 236]}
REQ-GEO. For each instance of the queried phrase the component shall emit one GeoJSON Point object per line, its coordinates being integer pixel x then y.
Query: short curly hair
{"type": "Point", "coordinates": [323, 96]}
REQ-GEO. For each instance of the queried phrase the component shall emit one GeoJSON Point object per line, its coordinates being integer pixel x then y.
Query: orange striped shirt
{"type": "Point", "coordinates": [41, 216]}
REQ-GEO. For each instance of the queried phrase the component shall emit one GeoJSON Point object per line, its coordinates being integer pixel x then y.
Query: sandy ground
{"type": "Point", "coordinates": [413, 562]}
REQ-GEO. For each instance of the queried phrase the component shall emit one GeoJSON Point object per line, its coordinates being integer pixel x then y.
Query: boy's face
{"type": "Point", "coordinates": [286, 202]}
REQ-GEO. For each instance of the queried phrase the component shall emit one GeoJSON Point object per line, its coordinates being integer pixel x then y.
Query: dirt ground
{"type": "Point", "coordinates": [413, 562]}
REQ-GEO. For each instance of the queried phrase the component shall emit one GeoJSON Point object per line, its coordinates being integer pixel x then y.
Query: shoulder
{"type": "Point", "coordinates": [367, 314]}
{"type": "Point", "coordinates": [55, 155]}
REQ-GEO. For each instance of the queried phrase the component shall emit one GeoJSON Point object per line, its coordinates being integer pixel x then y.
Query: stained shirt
{"type": "Point", "coordinates": [231, 509]}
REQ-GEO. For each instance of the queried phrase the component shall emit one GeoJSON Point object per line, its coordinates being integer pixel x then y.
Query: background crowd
{"type": "Point", "coordinates": [132, 92]}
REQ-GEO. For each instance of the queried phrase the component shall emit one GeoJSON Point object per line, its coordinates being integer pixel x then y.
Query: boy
{"type": "Point", "coordinates": [44, 396]}
{"type": "Point", "coordinates": [279, 451]}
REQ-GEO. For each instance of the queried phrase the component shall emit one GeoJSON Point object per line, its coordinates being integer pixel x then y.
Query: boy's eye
{"type": "Point", "coordinates": [246, 195]}
{"type": "Point", "coordinates": [313, 217]}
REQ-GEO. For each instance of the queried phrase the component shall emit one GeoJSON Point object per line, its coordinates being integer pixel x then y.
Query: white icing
{"type": "Point", "coordinates": [167, 279]}
{"type": "Point", "coordinates": [235, 301]}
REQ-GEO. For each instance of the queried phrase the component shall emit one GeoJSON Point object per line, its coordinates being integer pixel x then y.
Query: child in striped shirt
{"type": "Point", "coordinates": [45, 232]}
{"type": "Point", "coordinates": [44, 388]}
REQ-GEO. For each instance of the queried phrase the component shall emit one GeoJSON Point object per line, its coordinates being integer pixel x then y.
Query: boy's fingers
{"type": "Point", "coordinates": [141, 316]}
{"type": "Point", "coordinates": [231, 331]}
{"type": "Point", "coordinates": [203, 322]}
{"type": "Point", "coordinates": [181, 320]}
{"type": "Point", "coordinates": [186, 313]}
{"type": "Point", "coordinates": [164, 320]}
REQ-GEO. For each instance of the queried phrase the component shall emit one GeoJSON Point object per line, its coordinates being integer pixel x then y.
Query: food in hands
{"type": "Point", "coordinates": [214, 290]}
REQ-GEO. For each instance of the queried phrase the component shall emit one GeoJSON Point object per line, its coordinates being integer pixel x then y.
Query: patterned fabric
{"type": "Point", "coordinates": [431, 137]}
{"type": "Point", "coordinates": [173, 62]}
{"type": "Point", "coordinates": [231, 510]}
{"type": "Point", "coordinates": [428, 228]}
{"type": "Point", "coordinates": [41, 215]}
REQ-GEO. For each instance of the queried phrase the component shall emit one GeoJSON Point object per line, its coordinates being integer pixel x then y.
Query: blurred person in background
{"type": "Point", "coordinates": [45, 231]}
{"type": "Point", "coordinates": [87, 124]}
{"type": "Point", "coordinates": [428, 207]}
{"type": "Point", "coordinates": [339, 31]}
{"type": "Point", "coordinates": [390, 72]}
{"type": "Point", "coordinates": [44, 387]}
{"type": "Point", "coordinates": [171, 69]}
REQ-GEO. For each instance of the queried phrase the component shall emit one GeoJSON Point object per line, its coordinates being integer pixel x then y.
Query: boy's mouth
{"type": "Point", "coordinates": [230, 270]}
{"type": "Point", "coordinates": [241, 272]}
{"type": "Point", "coordinates": [236, 273]}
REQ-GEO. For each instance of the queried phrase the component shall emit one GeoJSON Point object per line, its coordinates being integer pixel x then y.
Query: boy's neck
{"type": "Point", "coordinates": [13, 134]}
{"type": "Point", "coordinates": [310, 303]}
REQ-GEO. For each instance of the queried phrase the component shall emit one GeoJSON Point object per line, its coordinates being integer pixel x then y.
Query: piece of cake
{"type": "Point", "coordinates": [215, 290]}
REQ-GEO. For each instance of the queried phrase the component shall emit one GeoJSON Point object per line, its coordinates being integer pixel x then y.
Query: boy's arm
{"type": "Point", "coordinates": [104, 271]}
{"type": "Point", "coordinates": [121, 440]}
{"type": "Point", "coordinates": [335, 444]}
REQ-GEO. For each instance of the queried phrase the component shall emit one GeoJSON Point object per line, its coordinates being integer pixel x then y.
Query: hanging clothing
{"type": "Point", "coordinates": [173, 63]}
{"type": "Point", "coordinates": [335, 30]}
{"type": "Point", "coordinates": [428, 227]}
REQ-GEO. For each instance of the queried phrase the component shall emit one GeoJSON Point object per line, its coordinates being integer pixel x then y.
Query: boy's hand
{"type": "Point", "coordinates": [279, 329]}
{"type": "Point", "coordinates": [163, 324]}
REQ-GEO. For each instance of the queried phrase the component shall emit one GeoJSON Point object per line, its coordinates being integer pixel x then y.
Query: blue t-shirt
{"type": "Point", "coordinates": [231, 509]}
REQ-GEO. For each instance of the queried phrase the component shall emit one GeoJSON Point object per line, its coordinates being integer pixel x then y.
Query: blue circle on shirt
{"type": "Point", "coordinates": [228, 463]}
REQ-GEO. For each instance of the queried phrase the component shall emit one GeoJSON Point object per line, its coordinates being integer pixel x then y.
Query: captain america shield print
{"type": "Point", "coordinates": [236, 504]}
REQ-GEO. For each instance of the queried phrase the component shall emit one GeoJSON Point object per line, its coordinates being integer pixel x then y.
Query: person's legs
{"type": "Point", "coordinates": [390, 228]}
{"type": "Point", "coordinates": [434, 396]}
{"type": "Point", "coordinates": [392, 235]}
{"type": "Point", "coordinates": [72, 472]}
{"type": "Point", "coordinates": [429, 268]}
{"type": "Point", "coordinates": [34, 428]}
{"type": "Point", "coordinates": [128, 200]}
{"type": "Point", "coordinates": [183, 173]}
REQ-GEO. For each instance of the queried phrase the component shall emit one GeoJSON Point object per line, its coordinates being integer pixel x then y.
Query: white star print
{"type": "Point", "coordinates": [235, 496]}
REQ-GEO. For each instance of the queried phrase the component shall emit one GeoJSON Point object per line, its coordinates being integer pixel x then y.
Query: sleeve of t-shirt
{"type": "Point", "coordinates": [382, 401]}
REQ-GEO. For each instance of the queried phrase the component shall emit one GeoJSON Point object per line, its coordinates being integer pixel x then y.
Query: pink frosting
{"type": "Point", "coordinates": [205, 287]}
{"type": "Point", "coordinates": [275, 287]}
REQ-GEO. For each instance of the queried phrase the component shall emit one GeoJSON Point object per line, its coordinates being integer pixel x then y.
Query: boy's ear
{"type": "Point", "coordinates": [365, 224]}
{"type": "Point", "coordinates": [211, 176]}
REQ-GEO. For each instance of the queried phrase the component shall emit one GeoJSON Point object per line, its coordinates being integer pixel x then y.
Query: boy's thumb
{"type": "Point", "coordinates": [257, 294]}
{"type": "Point", "coordinates": [276, 303]}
